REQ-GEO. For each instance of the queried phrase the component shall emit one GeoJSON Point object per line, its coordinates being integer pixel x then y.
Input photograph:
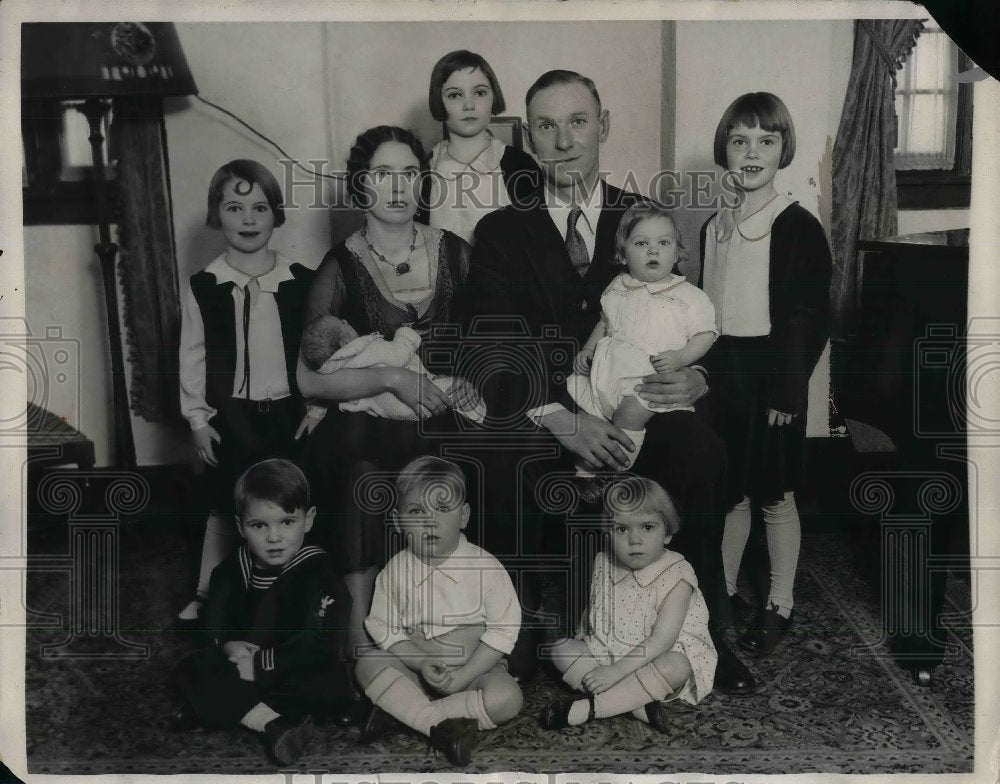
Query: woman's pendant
{"type": "Point", "coordinates": [402, 269]}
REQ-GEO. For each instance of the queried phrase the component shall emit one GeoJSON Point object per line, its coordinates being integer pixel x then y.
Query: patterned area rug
{"type": "Point", "coordinates": [830, 701]}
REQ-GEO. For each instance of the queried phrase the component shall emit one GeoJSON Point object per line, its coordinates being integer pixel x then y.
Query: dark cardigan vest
{"type": "Point", "coordinates": [218, 313]}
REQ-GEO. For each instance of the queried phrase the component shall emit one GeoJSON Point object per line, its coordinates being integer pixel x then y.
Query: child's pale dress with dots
{"type": "Point", "coordinates": [624, 605]}
{"type": "Point", "coordinates": [642, 320]}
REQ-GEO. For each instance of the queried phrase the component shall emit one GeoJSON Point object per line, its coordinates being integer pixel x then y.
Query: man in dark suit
{"type": "Point", "coordinates": [537, 273]}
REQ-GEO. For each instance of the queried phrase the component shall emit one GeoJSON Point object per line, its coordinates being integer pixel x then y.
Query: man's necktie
{"type": "Point", "coordinates": [575, 246]}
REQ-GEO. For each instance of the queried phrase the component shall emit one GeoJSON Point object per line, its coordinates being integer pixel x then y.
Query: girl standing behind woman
{"type": "Point", "coordinates": [766, 267]}
{"type": "Point", "coordinates": [474, 173]}
{"type": "Point", "coordinates": [241, 322]}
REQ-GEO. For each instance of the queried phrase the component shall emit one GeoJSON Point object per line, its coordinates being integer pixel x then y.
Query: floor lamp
{"type": "Point", "coordinates": [95, 63]}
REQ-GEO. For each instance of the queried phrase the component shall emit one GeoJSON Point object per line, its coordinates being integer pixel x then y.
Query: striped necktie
{"type": "Point", "coordinates": [575, 246]}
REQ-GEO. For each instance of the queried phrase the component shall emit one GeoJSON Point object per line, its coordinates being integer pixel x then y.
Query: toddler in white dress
{"type": "Point", "coordinates": [652, 321]}
{"type": "Point", "coordinates": [646, 638]}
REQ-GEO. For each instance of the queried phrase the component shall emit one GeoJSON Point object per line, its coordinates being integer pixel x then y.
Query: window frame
{"type": "Point", "coordinates": [47, 199]}
{"type": "Point", "coordinates": [944, 188]}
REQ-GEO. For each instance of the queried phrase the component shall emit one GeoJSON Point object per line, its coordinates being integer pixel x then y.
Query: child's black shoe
{"type": "Point", "coordinates": [183, 718]}
{"type": "Point", "coordinates": [769, 629]}
{"type": "Point", "coordinates": [656, 715]}
{"type": "Point", "coordinates": [456, 739]}
{"type": "Point", "coordinates": [556, 713]}
{"type": "Point", "coordinates": [287, 738]}
{"type": "Point", "coordinates": [379, 725]}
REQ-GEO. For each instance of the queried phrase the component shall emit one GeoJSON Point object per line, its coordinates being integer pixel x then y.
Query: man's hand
{"type": "Point", "coordinates": [203, 438]}
{"type": "Point", "coordinates": [583, 360]}
{"type": "Point", "coordinates": [598, 444]}
{"type": "Point", "coordinates": [778, 418]}
{"type": "Point", "coordinates": [682, 387]}
{"type": "Point", "coordinates": [601, 679]}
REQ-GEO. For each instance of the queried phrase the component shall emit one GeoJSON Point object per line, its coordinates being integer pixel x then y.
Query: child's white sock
{"type": "Point", "coordinates": [258, 716]}
{"type": "Point", "coordinates": [637, 437]}
{"type": "Point", "coordinates": [633, 691]}
{"type": "Point", "coordinates": [398, 696]}
{"type": "Point", "coordinates": [466, 705]}
{"type": "Point", "coordinates": [573, 677]}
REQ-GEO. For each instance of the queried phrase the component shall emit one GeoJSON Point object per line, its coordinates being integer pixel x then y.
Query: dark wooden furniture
{"type": "Point", "coordinates": [899, 384]}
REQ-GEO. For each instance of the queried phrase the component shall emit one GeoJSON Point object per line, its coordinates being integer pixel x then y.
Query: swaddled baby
{"type": "Point", "coordinates": [330, 344]}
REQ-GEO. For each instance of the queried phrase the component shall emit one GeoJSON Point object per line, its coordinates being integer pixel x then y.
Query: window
{"type": "Point", "coordinates": [933, 125]}
{"type": "Point", "coordinates": [57, 166]}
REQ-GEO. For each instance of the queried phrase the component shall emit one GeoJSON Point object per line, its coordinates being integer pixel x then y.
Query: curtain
{"type": "Point", "coordinates": [147, 268]}
{"type": "Point", "coordinates": [864, 175]}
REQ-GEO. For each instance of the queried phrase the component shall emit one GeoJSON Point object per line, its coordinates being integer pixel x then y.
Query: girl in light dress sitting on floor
{"type": "Point", "coordinates": [646, 640]}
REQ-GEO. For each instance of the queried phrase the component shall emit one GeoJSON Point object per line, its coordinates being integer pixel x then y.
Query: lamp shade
{"type": "Point", "coordinates": [102, 60]}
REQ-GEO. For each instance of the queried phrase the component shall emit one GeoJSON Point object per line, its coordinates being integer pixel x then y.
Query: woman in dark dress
{"type": "Point", "coordinates": [392, 272]}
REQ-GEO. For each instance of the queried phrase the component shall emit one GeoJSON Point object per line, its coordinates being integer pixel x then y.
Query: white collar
{"type": "Point", "coordinates": [669, 282]}
{"type": "Point", "coordinates": [452, 567]}
{"type": "Point", "coordinates": [269, 281]}
{"type": "Point", "coordinates": [486, 162]}
{"type": "Point", "coordinates": [647, 574]}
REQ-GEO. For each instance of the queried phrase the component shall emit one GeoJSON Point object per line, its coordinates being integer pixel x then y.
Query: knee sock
{"type": "Point", "coordinates": [784, 536]}
{"type": "Point", "coordinates": [629, 695]}
{"type": "Point", "coordinates": [398, 696]}
{"type": "Point", "coordinates": [466, 705]}
{"type": "Point", "coordinates": [220, 535]}
{"type": "Point", "coordinates": [573, 677]}
{"type": "Point", "coordinates": [633, 691]}
{"type": "Point", "coordinates": [258, 716]}
{"type": "Point", "coordinates": [734, 542]}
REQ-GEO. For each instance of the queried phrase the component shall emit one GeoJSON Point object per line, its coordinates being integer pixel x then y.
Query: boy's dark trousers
{"type": "Point", "coordinates": [211, 685]}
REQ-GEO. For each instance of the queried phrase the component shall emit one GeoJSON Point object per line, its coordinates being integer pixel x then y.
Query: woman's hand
{"type": "Point", "coordinates": [203, 438]}
{"type": "Point", "coordinates": [420, 394]}
{"type": "Point", "coordinates": [583, 360]}
{"type": "Point", "coordinates": [778, 418]}
{"type": "Point", "coordinates": [464, 396]}
{"type": "Point", "coordinates": [601, 679]}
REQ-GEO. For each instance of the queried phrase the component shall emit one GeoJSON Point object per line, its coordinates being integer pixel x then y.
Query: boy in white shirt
{"type": "Point", "coordinates": [444, 678]}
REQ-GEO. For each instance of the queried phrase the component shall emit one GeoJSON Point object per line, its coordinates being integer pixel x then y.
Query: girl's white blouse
{"type": "Point", "coordinates": [737, 269]}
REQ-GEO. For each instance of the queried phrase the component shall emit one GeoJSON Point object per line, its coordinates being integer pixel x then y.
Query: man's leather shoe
{"type": "Point", "coordinates": [455, 738]}
{"type": "Point", "coordinates": [731, 675]}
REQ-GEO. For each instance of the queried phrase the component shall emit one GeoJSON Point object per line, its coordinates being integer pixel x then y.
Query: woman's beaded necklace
{"type": "Point", "coordinates": [403, 267]}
